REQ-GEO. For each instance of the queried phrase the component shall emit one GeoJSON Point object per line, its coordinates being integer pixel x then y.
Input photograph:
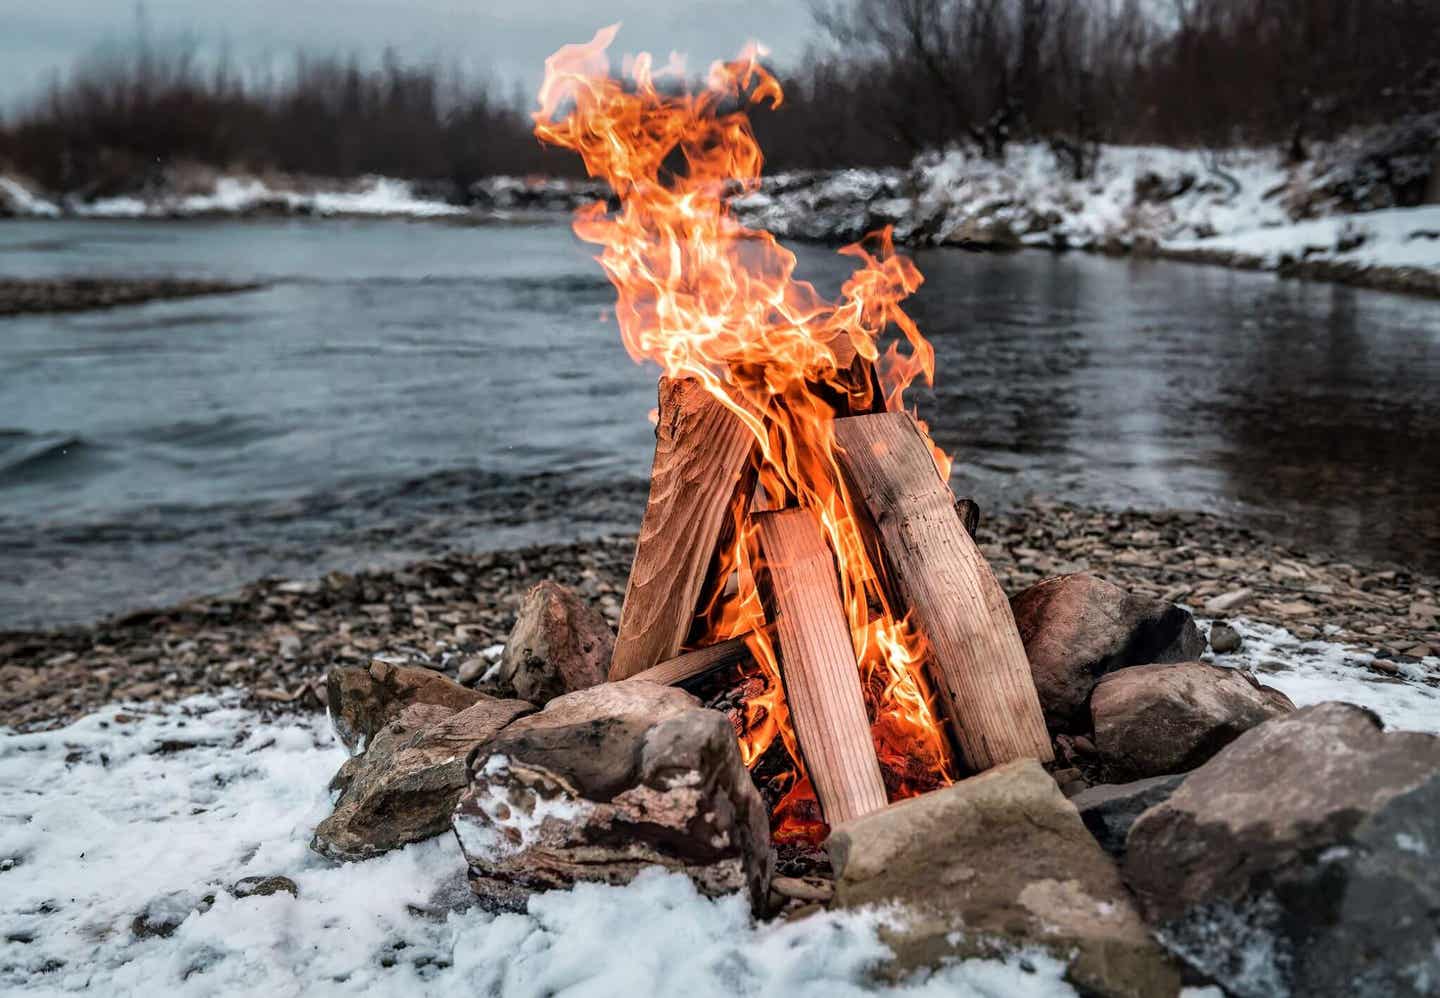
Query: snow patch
{"type": "Point", "coordinates": [17, 199]}
{"type": "Point", "coordinates": [1395, 237]}
{"type": "Point", "coordinates": [106, 818]}
{"type": "Point", "coordinates": [373, 196]}
{"type": "Point", "coordinates": [1311, 672]}
{"type": "Point", "coordinates": [514, 815]}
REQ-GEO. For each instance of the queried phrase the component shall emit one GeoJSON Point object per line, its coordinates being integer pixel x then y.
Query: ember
{"type": "Point", "coordinates": [868, 582]}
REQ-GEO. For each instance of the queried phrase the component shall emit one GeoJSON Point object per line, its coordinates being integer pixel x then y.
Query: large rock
{"type": "Point", "coordinates": [1111, 808]}
{"type": "Point", "coordinates": [362, 701]}
{"type": "Point", "coordinates": [405, 787]}
{"type": "Point", "coordinates": [995, 863]}
{"type": "Point", "coordinates": [559, 644]}
{"type": "Point", "coordinates": [1154, 720]}
{"type": "Point", "coordinates": [1301, 860]}
{"type": "Point", "coordinates": [605, 782]}
{"type": "Point", "coordinates": [1078, 627]}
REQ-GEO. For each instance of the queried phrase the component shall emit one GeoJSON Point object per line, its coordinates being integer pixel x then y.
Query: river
{"type": "Point", "coordinates": [401, 388]}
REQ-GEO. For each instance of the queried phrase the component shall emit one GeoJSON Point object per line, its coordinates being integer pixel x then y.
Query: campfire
{"type": "Point", "coordinates": [800, 531]}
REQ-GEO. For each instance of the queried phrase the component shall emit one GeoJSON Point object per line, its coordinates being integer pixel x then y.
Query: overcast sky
{"type": "Point", "coordinates": [511, 37]}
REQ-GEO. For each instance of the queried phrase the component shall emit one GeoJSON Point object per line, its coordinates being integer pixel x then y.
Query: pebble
{"type": "Point", "coordinates": [1228, 601]}
{"type": "Point", "coordinates": [1224, 639]}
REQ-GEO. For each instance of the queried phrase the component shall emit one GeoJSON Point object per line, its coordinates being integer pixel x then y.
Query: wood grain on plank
{"type": "Point", "coordinates": [817, 662]}
{"type": "Point", "coordinates": [702, 455]}
{"type": "Point", "coordinates": [976, 657]}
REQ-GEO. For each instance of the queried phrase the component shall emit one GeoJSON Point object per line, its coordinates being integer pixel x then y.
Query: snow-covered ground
{"type": "Point", "coordinates": [1397, 237]}
{"type": "Point", "coordinates": [1314, 671]}
{"type": "Point", "coordinates": [1135, 193]}
{"type": "Point", "coordinates": [101, 821]}
{"type": "Point", "coordinates": [160, 810]}
{"type": "Point", "coordinates": [1243, 207]}
{"type": "Point", "coordinates": [242, 195]}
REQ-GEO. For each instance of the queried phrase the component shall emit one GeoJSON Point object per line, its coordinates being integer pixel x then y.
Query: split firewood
{"type": "Point", "coordinates": [817, 664]}
{"type": "Point", "coordinates": [933, 567]}
{"type": "Point", "coordinates": [694, 664]}
{"type": "Point", "coordinates": [702, 460]}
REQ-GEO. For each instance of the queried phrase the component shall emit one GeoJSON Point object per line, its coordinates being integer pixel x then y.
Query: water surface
{"type": "Point", "coordinates": [402, 388]}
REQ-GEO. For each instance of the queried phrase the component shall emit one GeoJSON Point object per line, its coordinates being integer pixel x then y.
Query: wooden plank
{"type": "Point", "coordinates": [694, 664]}
{"type": "Point", "coordinates": [931, 562]}
{"type": "Point", "coordinates": [702, 457]}
{"type": "Point", "coordinates": [817, 664]}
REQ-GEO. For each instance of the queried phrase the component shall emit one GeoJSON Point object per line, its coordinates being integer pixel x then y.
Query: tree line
{"type": "Point", "coordinates": [888, 79]}
{"type": "Point", "coordinates": [898, 77]}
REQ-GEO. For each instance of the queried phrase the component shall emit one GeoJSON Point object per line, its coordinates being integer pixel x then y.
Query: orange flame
{"type": "Point", "coordinates": [706, 298]}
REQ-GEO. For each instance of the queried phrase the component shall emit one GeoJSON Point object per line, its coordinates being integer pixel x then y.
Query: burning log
{"type": "Point", "coordinates": [934, 567]}
{"type": "Point", "coordinates": [822, 685]}
{"type": "Point", "coordinates": [702, 453]}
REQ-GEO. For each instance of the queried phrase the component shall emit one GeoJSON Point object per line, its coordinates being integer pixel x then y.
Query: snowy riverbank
{"type": "Point", "coordinates": [186, 195]}
{"type": "Point", "coordinates": [1336, 216]}
{"type": "Point", "coordinates": [149, 846]}
{"type": "Point", "coordinates": [1241, 208]}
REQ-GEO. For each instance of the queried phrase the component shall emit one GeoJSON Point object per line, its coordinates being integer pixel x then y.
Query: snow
{"type": "Point", "coordinates": [1136, 193]}
{"type": "Point", "coordinates": [382, 197]}
{"type": "Point", "coordinates": [513, 825]}
{"type": "Point", "coordinates": [377, 196]}
{"type": "Point", "coordinates": [1241, 203]}
{"type": "Point", "coordinates": [102, 820]}
{"type": "Point", "coordinates": [19, 200]}
{"type": "Point", "coordinates": [1315, 671]}
{"type": "Point", "coordinates": [161, 809]}
{"type": "Point", "coordinates": [1395, 237]}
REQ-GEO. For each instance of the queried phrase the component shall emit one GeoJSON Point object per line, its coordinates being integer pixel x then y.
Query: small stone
{"type": "Point", "coordinates": [811, 889]}
{"type": "Point", "coordinates": [362, 701]}
{"type": "Point", "coordinates": [264, 887]}
{"type": "Point", "coordinates": [1109, 809]}
{"type": "Point", "coordinates": [163, 915]}
{"type": "Point", "coordinates": [1226, 602]}
{"type": "Point", "coordinates": [1224, 639]}
{"type": "Point", "coordinates": [1292, 608]}
{"type": "Point", "coordinates": [472, 670]}
{"type": "Point", "coordinates": [559, 644]}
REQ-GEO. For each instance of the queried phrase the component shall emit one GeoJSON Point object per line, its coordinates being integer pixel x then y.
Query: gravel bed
{"type": "Point", "coordinates": [276, 638]}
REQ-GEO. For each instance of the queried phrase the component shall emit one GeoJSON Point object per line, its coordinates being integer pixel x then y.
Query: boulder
{"type": "Point", "coordinates": [994, 864]}
{"type": "Point", "coordinates": [1153, 720]}
{"type": "Point", "coordinates": [409, 779]}
{"type": "Point", "coordinates": [362, 701]}
{"type": "Point", "coordinates": [1301, 860]}
{"type": "Point", "coordinates": [1111, 808]}
{"type": "Point", "coordinates": [605, 782]}
{"type": "Point", "coordinates": [559, 644]}
{"type": "Point", "coordinates": [1078, 627]}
